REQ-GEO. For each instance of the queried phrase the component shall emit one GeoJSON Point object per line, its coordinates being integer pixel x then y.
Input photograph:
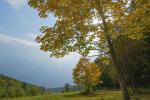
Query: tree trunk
{"type": "Point", "coordinates": [116, 66]}
{"type": "Point", "coordinates": [120, 77]}
{"type": "Point", "coordinates": [88, 89]}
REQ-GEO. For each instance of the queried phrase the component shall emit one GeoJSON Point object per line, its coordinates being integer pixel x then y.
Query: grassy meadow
{"type": "Point", "coordinates": [102, 95]}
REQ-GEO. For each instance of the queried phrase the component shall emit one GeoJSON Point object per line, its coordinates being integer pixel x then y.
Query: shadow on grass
{"type": "Point", "coordinates": [81, 94]}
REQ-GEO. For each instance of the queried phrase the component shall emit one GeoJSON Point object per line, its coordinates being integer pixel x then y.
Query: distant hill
{"type": "Point", "coordinates": [58, 89]}
{"type": "Point", "coordinates": [10, 87]}
{"type": "Point", "coordinates": [61, 89]}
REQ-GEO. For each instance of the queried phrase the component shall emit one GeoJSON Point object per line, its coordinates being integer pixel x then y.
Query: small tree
{"type": "Point", "coordinates": [66, 87]}
{"type": "Point", "coordinates": [86, 74]}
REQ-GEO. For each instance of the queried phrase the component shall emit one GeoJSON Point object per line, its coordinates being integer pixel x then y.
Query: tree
{"type": "Point", "coordinates": [108, 75]}
{"type": "Point", "coordinates": [86, 74]}
{"type": "Point", "coordinates": [134, 58]}
{"type": "Point", "coordinates": [75, 31]}
{"type": "Point", "coordinates": [66, 87]}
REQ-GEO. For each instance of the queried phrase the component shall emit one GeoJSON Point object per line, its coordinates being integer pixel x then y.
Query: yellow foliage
{"type": "Point", "coordinates": [86, 73]}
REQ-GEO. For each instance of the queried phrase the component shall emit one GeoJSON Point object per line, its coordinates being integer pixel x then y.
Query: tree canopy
{"type": "Point", "coordinates": [75, 30]}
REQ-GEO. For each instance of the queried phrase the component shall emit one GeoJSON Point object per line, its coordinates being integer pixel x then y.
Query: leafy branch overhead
{"type": "Point", "coordinates": [74, 29]}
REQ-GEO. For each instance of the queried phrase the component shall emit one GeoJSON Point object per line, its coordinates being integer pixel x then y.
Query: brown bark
{"type": "Point", "coordinates": [117, 67]}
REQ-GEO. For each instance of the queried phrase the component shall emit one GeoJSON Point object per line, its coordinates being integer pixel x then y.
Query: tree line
{"type": "Point", "coordinates": [10, 88]}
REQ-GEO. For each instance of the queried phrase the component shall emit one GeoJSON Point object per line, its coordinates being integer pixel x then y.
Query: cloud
{"type": "Point", "coordinates": [16, 4]}
{"type": "Point", "coordinates": [5, 38]}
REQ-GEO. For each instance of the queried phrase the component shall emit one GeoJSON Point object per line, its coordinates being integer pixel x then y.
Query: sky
{"type": "Point", "coordinates": [20, 56]}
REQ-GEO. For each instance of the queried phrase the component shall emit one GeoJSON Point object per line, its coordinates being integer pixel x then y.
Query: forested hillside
{"type": "Point", "coordinates": [10, 87]}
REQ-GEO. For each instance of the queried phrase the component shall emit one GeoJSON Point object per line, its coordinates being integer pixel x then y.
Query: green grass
{"type": "Point", "coordinates": [103, 95]}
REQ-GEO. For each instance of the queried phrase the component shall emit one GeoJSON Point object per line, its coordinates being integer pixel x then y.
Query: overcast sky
{"type": "Point", "coordinates": [20, 56]}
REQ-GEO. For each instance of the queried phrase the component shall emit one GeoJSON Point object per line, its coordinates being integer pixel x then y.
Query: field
{"type": "Point", "coordinates": [103, 95]}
